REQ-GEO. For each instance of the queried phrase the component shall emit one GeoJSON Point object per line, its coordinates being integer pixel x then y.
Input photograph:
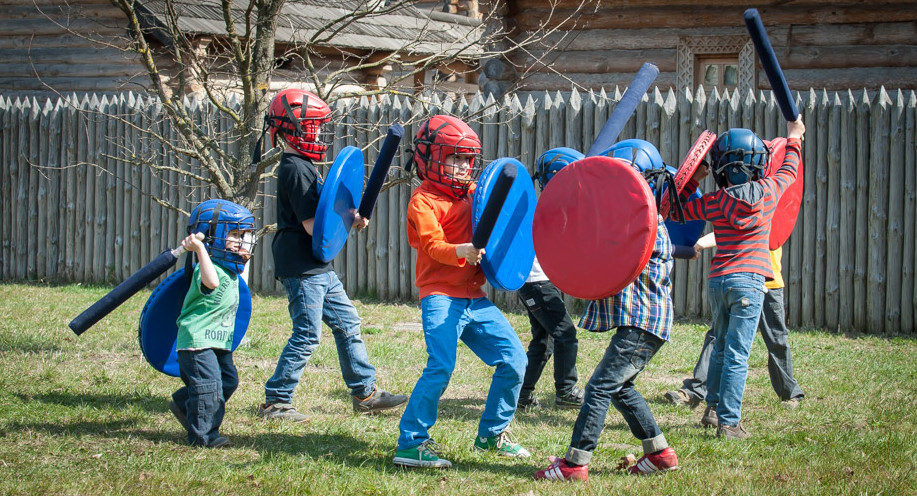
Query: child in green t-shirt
{"type": "Point", "coordinates": [208, 318]}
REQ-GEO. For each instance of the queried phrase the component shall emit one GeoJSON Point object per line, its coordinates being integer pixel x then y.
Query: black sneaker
{"type": "Point", "coordinates": [377, 401]}
{"type": "Point", "coordinates": [571, 400]}
{"type": "Point", "coordinates": [527, 405]}
{"type": "Point", "coordinates": [220, 442]}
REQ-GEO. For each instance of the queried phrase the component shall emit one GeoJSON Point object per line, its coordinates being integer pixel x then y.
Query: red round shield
{"type": "Point", "coordinates": [788, 207]}
{"type": "Point", "coordinates": [594, 227]}
{"type": "Point", "coordinates": [692, 160]}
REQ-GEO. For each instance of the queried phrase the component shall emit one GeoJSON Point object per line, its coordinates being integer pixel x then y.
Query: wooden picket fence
{"type": "Point", "coordinates": [74, 211]}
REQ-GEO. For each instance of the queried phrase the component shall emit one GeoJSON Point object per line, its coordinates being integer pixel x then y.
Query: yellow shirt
{"type": "Point", "coordinates": [777, 283]}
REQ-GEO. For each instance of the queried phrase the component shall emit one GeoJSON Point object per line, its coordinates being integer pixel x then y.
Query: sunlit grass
{"type": "Point", "coordinates": [87, 415]}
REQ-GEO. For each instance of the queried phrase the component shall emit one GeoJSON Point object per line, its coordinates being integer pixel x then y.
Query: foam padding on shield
{"type": "Point", "coordinates": [510, 251]}
{"type": "Point", "coordinates": [688, 166]}
{"type": "Point", "coordinates": [787, 212]}
{"type": "Point", "coordinates": [595, 227]}
{"type": "Point", "coordinates": [158, 330]}
{"type": "Point", "coordinates": [337, 204]}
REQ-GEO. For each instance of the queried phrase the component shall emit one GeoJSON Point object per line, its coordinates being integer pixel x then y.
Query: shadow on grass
{"type": "Point", "coordinates": [148, 403]}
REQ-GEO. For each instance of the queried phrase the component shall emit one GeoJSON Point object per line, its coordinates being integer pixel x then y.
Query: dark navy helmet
{"type": "Point", "coordinates": [216, 219]}
{"type": "Point", "coordinates": [552, 161]}
{"type": "Point", "coordinates": [738, 156]}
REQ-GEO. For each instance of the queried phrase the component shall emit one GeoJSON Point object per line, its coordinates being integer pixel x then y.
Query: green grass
{"type": "Point", "coordinates": [87, 415]}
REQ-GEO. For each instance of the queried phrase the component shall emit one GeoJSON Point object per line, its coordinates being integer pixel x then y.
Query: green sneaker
{"type": "Point", "coordinates": [424, 455]}
{"type": "Point", "coordinates": [502, 444]}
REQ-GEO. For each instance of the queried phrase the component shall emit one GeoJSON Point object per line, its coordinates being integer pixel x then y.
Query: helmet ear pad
{"type": "Point", "coordinates": [552, 161]}
{"type": "Point", "coordinates": [438, 138]}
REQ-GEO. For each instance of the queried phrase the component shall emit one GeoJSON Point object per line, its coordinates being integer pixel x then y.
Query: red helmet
{"type": "Point", "coordinates": [309, 132]}
{"type": "Point", "coordinates": [438, 138]}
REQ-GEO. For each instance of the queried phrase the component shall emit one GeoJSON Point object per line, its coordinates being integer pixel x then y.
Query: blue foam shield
{"type": "Point", "coordinates": [158, 331]}
{"type": "Point", "coordinates": [688, 233]}
{"type": "Point", "coordinates": [337, 204]}
{"type": "Point", "coordinates": [509, 252]}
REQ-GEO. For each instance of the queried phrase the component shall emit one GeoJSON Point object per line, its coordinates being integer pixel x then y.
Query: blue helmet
{"type": "Point", "coordinates": [641, 154]}
{"type": "Point", "coordinates": [552, 161]}
{"type": "Point", "coordinates": [738, 156]}
{"type": "Point", "coordinates": [216, 218]}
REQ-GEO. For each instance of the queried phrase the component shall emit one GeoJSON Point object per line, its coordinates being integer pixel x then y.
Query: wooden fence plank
{"type": "Point", "coordinates": [864, 151]}
{"type": "Point", "coordinates": [878, 217]}
{"type": "Point", "coordinates": [847, 228]}
{"type": "Point", "coordinates": [909, 263]}
{"type": "Point", "coordinates": [832, 213]}
{"type": "Point", "coordinates": [895, 236]}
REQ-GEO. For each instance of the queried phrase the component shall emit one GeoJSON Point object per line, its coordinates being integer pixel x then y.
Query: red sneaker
{"type": "Point", "coordinates": [560, 471]}
{"type": "Point", "coordinates": [653, 463]}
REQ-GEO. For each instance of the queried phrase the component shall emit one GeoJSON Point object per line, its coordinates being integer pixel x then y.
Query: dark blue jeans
{"type": "Point", "coordinates": [553, 333]}
{"type": "Point", "coordinates": [210, 378]}
{"type": "Point", "coordinates": [612, 383]}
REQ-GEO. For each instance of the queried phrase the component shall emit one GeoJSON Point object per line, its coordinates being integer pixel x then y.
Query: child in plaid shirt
{"type": "Point", "coordinates": [642, 313]}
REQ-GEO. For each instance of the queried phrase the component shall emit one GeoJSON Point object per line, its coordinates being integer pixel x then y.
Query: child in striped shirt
{"type": "Point", "coordinates": [741, 212]}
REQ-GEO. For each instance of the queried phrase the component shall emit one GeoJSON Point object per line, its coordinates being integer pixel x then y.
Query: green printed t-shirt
{"type": "Point", "coordinates": [208, 317]}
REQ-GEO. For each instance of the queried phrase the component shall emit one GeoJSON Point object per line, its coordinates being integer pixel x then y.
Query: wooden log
{"type": "Point", "coordinates": [99, 219]}
{"type": "Point", "coordinates": [864, 152]}
{"type": "Point", "coordinates": [909, 262]}
{"type": "Point", "coordinates": [6, 190]}
{"type": "Point", "coordinates": [809, 213]}
{"type": "Point", "coordinates": [573, 122]}
{"type": "Point", "coordinates": [643, 16]}
{"type": "Point", "coordinates": [832, 208]}
{"type": "Point", "coordinates": [54, 207]}
{"type": "Point", "coordinates": [878, 213]}
{"type": "Point", "coordinates": [549, 81]}
{"type": "Point", "coordinates": [821, 212]}
{"type": "Point", "coordinates": [894, 207]}
{"type": "Point", "coordinates": [847, 248]}
{"type": "Point", "coordinates": [597, 61]}
{"type": "Point", "coordinates": [842, 78]}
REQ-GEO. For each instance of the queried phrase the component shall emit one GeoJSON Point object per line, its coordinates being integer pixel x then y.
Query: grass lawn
{"type": "Point", "coordinates": [87, 415]}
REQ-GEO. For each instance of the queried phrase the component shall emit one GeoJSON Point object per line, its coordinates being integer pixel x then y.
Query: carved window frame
{"type": "Point", "coordinates": [689, 47]}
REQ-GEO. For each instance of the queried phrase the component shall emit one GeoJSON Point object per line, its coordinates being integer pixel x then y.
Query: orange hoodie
{"type": "Point", "coordinates": [437, 222]}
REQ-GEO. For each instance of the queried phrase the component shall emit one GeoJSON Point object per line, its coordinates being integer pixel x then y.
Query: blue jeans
{"type": "Point", "coordinates": [779, 356]}
{"type": "Point", "coordinates": [612, 383]}
{"type": "Point", "coordinates": [313, 300]}
{"type": "Point", "coordinates": [487, 333]}
{"type": "Point", "coordinates": [553, 333]}
{"type": "Point", "coordinates": [735, 300]}
{"type": "Point", "coordinates": [210, 378]}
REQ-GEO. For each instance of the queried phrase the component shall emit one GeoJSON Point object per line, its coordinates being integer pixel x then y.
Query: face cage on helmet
{"type": "Point", "coordinates": [231, 259]}
{"type": "Point", "coordinates": [435, 167]}
{"type": "Point", "coordinates": [746, 165]}
{"type": "Point", "coordinates": [316, 138]}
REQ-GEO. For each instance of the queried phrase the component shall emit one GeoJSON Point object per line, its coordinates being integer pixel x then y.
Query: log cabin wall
{"type": "Point", "coordinates": [819, 43]}
{"type": "Point", "coordinates": [48, 45]}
